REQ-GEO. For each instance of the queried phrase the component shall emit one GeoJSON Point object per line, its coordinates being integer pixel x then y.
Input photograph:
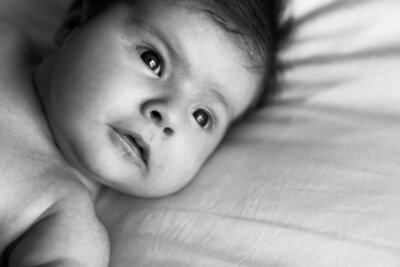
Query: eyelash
{"type": "Point", "coordinates": [153, 61]}
{"type": "Point", "coordinates": [210, 120]}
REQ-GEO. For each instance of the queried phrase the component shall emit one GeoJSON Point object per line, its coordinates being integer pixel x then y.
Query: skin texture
{"type": "Point", "coordinates": [47, 216]}
{"type": "Point", "coordinates": [170, 78]}
{"type": "Point", "coordinates": [112, 76]}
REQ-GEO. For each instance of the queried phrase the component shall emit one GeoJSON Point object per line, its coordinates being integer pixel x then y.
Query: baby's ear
{"type": "Point", "coordinates": [74, 17]}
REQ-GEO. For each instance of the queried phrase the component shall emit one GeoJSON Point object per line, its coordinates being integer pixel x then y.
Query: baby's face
{"type": "Point", "coordinates": [140, 98]}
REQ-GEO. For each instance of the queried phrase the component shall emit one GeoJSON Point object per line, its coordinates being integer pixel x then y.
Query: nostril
{"type": "Point", "coordinates": [168, 131]}
{"type": "Point", "coordinates": [155, 115]}
{"type": "Point", "coordinates": [159, 121]}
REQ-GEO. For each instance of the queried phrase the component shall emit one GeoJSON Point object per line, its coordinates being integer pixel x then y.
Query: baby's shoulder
{"type": "Point", "coordinates": [18, 100]}
{"type": "Point", "coordinates": [9, 33]}
{"type": "Point", "coordinates": [36, 188]}
{"type": "Point", "coordinates": [47, 214]}
{"type": "Point", "coordinates": [16, 48]}
{"type": "Point", "coordinates": [41, 179]}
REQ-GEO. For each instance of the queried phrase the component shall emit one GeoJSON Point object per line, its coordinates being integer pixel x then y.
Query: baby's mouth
{"type": "Point", "coordinates": [135, 144]}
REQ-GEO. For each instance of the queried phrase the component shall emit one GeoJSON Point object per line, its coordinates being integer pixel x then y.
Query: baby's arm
{"type": "Point", "coordinates": [68, 235]}
{"type": "Point", "coordinates": [66, 232]}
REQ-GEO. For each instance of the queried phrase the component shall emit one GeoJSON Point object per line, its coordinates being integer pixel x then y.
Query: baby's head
{"type": "Point", "coordinates": [139, 93]}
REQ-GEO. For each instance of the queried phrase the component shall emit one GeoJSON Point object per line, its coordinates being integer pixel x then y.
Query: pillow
{"type": "Point", "coordinates": [312, 180]}
{"type": "Point", "coordinates": [309, 181]}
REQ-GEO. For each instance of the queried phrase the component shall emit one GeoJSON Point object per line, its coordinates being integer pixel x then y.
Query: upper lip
{"type": "Point", "coordinates": [138, 141]}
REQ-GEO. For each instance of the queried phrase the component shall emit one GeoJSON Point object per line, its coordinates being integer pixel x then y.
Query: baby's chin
{"type": "Point", "coordinates": [105, 167]}
{"type": "Point", "coordinates": [133, 183]}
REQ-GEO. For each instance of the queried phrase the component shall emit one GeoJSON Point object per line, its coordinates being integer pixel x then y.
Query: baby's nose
{"type": "Point", "coordinates": [159, 119]}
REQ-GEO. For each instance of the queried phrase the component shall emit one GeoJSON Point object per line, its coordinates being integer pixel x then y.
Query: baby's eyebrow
{"type": "Point", "coordinates": [170, 44]}
{"type": "Point", "coordinates": [221, 98]}
{"type": "Point", "coordinates": [172, 48]}
{"type": "Point", "coordinates": [214, 96]}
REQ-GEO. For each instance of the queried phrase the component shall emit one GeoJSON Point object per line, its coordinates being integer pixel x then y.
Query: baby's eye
{"type": "Point", "coordinates": [153, 61]}
{"type": "Point", "coordinates": [202, 118]}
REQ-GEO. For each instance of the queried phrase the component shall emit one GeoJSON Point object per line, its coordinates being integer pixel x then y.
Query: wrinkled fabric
{"type": "Point", "coordinates": [312, 180]}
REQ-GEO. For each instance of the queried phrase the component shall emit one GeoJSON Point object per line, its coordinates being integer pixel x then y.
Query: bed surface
{"type": "Point", "coordinates": [313, 180]}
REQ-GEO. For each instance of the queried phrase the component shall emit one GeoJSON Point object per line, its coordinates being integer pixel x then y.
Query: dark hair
{"type": "Point", "coordinates": [259, 26]}
{"type": "Point", "coordinates": [254, 25]}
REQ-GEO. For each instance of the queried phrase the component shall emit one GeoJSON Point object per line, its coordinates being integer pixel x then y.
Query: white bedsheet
{"type": "Point", "coordinates": [313, 180]}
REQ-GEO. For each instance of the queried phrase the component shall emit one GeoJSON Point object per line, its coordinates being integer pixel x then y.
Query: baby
{"type": "Point", "coordinates": [136, 97]}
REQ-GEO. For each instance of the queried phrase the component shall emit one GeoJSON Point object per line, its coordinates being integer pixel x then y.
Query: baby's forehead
{"type": "Point", "coordinates": [213, 12]}
{"type": "Point", "coordinates": [202, 51]}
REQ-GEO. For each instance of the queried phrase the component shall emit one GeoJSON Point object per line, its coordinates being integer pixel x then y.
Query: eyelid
{"type": "Point", "coordinates": [145, 48]}
{"type": "Point", "coordinates": [213, 118]}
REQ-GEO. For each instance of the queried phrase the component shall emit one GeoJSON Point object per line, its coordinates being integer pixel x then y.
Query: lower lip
{"type": "Point", "coordinates": [130, 149]}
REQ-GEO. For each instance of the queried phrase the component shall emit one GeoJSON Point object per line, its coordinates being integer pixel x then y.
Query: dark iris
{"type": "Point", "coordinates": [201, 117]}
{"type": "Point", "coordinates": [152, 60]}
